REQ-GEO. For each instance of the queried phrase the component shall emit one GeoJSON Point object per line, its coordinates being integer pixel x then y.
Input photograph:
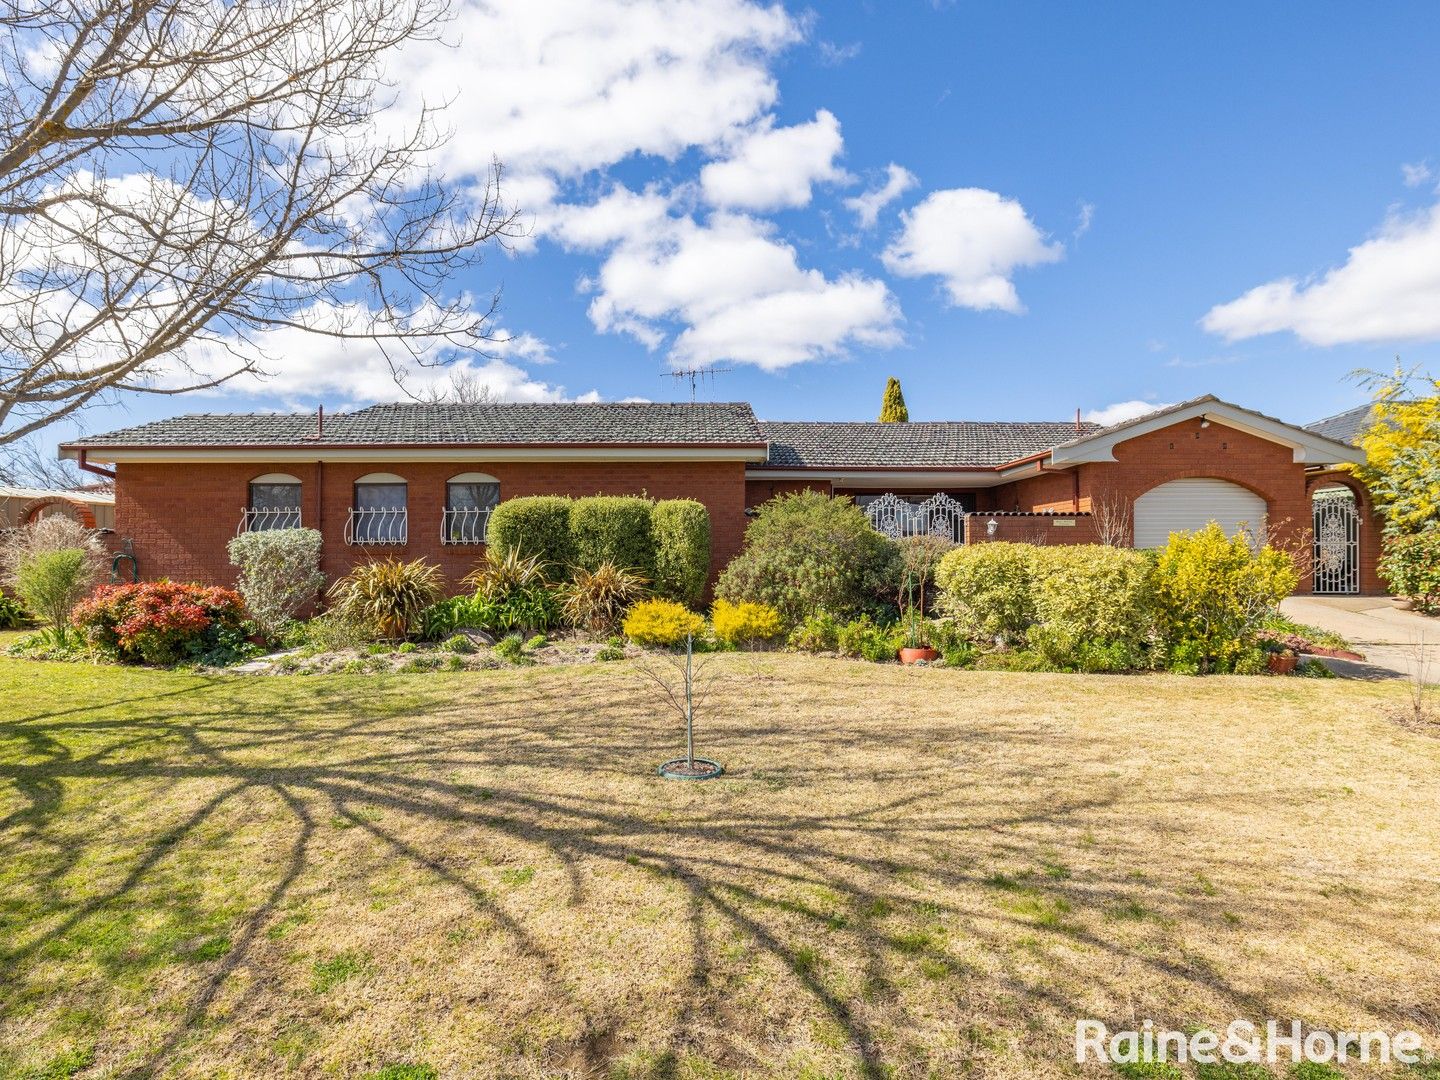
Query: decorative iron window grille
{"type": "Point", "coordinates": [466, 525]}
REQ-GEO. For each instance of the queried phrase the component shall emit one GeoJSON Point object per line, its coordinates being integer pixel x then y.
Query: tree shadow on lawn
{"type": "Point", "coordinates": [870, 896]}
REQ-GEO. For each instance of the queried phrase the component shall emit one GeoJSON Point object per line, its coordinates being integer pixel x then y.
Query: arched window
{"type": "Point", "coordinates": [469, 498]}
{"type": "Point", "coordinates": [274, 503]}
{"type": "Point", "coordinates": [379, 514]}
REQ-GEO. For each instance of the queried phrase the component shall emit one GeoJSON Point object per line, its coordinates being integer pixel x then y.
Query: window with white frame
{"type": "Point", "coordinates": [273, 503]}
{"type": "Point", "coordinates": [469, 499]}
{"type": "Point", "coordinates": [379, 514]}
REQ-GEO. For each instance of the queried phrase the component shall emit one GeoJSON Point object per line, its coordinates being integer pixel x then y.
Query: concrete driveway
{"type": "Point", "coordinates": [1397, 643]}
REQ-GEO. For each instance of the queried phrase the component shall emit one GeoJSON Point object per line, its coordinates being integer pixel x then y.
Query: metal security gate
{"type": "Point", "coordinates": [939, 515]}
{"type": "Point", "coordinates": [1337, 543]}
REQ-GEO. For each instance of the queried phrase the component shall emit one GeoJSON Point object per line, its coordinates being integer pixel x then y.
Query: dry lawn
{"type": "Point", "coordinates": [907, 873]}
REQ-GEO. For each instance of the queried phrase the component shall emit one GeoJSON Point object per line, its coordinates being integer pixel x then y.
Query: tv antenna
{"type": "Point", "coordinates": [696, 376]}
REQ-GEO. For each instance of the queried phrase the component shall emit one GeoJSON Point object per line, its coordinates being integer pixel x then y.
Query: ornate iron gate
{"type": "Point", "coordinates": [1337, 542]}
{"type": "Point", "coordinates": [939, 515]}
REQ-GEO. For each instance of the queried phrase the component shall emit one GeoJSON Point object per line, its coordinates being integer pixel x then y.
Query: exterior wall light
{"type": "Point", "coordinates": [992, 527]}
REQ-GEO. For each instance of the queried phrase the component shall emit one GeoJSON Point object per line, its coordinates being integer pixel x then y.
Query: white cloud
{"type": "Point", "coordinates": [867, 205]}
{"type": "Point", "coordinates": [833, 55]}
{"type": "Point", "coordinates": [770, 168]}
{"type": "Point", "coordinates": [1086, 219]}
{"type": "Point", "coordinates": [735, 291]}
{"type": "Point", "coordinates": [1387, 290]}
{"type": "Point", "coordinates": [1122, 411]}
{"type": "Point", "coordinates": [974, 239]}
{"type": "Point", "coordinates": [299, 365]}
{"type": "Point", "coordinates": [1417, 173]}
{"type": "Point", "coordinates": [555, 88]}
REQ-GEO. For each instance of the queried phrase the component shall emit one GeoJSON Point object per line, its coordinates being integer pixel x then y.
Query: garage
{"type": "Point", "coordinates": [1185, 505]}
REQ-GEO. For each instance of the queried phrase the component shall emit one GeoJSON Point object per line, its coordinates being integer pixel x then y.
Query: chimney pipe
{"type": "Point", "coordinates": [320, 422]}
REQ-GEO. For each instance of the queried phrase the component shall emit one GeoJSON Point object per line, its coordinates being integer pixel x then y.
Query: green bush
{"type": "Point", "coordinates": [279, 574]}
{"type": "Point", "coordinates": [1214, 593]}
{"type": "Point", "coordinates": [662, 622]}
{"type": "Point", "coordinates": [806, 553]}
{"type": "Point", "coordinates": [681, 528]}
{"type": "Point", "coordinates": [613, 529]}
{"type": "Point", "coordinates": [816, 633]}
{"type": "Point", "coordinates": [13, 614]}
{"type": "Point", "coordinates": [1095, 593]}
{"type": "Point", "coordinates": [512, 648]}
{"type": "Point", "coordinates": [865, 639]}
{"type": "Point", "coordinates": [1410, 565]}
{"type": "Point", "coordinates": [50, 565]}
{"type": "Point", "coordinates": [1065, 649]}
{"type": "Point", "coordinates": [534, 526]}
{"type": "Point", "coordinates": [988, 590]}
{"type": "Point", "coordinates": [956, 649]}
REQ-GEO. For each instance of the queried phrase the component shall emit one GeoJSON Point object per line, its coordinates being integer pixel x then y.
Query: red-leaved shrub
{"type": "Point", "coordinates": [159, 622]}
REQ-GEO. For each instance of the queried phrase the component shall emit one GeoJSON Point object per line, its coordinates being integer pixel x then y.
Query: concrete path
{"type": "Point", "coordinates": [1397, 643]}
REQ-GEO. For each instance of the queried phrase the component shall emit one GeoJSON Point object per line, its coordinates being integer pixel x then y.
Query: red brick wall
{"type": "Point", "coordinates": [762, 491]}
{"type": "Point", "coordinates": [181, 516]}
{"type": "Point", "coordinates": [1030, 528]}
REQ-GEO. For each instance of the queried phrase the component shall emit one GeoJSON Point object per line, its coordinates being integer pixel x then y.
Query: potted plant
{"type": "Point", "coordinates": [1280, 658]}
{"type": "Point", "coordinates": [917, 638]}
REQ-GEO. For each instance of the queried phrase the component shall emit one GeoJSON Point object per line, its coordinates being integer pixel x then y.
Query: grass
{"type": "Point", "coordinates": [903, 873]}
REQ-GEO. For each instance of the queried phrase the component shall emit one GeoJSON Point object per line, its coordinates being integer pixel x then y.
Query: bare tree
{"type": "Point", "coordinates": [684, 686]}
{"type": "Point", "coordinates": [179, 177]}
{"type": "Point", "coordinates": [28, 464]}
{"type": "Point", "coordinates": [1112, 516]}
{"type": "Point", "coordinates": [462, 388]}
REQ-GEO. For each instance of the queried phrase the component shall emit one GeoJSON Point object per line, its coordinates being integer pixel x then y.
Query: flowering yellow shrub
{"type": "Point", "coordinates": [741, 624]}
{"type": "Point", "coordinates": [661, 622]}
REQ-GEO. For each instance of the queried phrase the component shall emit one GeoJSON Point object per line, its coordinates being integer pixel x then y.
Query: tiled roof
{"type": "Point", "coordinates": [1347, 426]}
{"type": "Point", "coordinates": [948, 444]}
{"type": "Point", "coordinates": [412, 424]}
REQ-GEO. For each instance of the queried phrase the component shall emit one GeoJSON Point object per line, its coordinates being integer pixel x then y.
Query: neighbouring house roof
{"type": "Point", "coordinates": [931, 444]}
{"type": "Point", "coordinates": [415, 424]}
{"type": "Point", "coordinates": [96, 498]}
{"type": "Point", "coordinates": [1348, 426]}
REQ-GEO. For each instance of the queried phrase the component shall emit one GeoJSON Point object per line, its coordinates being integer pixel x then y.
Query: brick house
{"type": "Point", "coordinates": [418, 480]}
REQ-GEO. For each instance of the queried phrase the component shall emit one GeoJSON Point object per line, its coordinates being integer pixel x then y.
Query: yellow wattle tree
{"type": "Point", "coordinates": [1402, 450]}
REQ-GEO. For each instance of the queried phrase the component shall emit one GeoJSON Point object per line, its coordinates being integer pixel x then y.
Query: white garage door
{"type": "Point", "coordinates": [1193, 504]}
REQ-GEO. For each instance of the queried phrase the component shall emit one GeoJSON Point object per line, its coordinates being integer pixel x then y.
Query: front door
{"type": "Point", "coordinates": [1337, 543]}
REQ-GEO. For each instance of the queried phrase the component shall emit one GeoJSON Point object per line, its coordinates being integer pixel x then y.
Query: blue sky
{"type": "Point", "coordinates": [1124, 173]}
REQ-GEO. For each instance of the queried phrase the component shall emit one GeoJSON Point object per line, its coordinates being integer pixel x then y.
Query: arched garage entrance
{"type": "Point", "coordinates": [1186, 505]}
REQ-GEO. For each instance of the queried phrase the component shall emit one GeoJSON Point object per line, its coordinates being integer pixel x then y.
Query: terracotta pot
{"type": "Point", "coordinates": [914, 656]}
{"type": "Point", "coordinates": [1281, 664]}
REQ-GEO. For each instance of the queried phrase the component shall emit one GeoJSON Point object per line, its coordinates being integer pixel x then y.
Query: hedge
{"type": "Point", "coordinates": [536, 525]}
{"type": "Point", "coordinates": [681, 528]}
{"type": "Point", "coordinates": [613, 529]}
{"type": "Point", "coordinates": [668, 542]}
{"type": "Point", "coordinates": [1411, 566]}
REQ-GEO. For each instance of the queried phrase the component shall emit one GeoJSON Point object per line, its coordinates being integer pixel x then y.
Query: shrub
{"type": "Point", "coordinates": [387, 595]}
{"type": "Point", "coordinates": [955, 648]}
{"type": "Point", "coordinates": [1215, 592]}
{"type": "Point", "coordinates": [596, 599]}
{"type": "Point", "coordinates": [13, 614]}
{"type": "Point", "coordinates": [1410, 565]}
{"type": "Point", "coordinates": [866, 639]}
{"type": "Point", "coordinates": [744, 624]}
{"type": "Point", "coordinates": [458, 643]}
{"type": "Point", "coordinates": [52, 582]}
{"type": "Point", "coordinates": [816, 633]}
{"type": "Point", "coordinates": [1066, 649]}
{"type": "Point", "coordinates": [1095, 593]}
{"type": "Point", "coordinates": [681, 528]}
{"type": "Point", "coordinates": [333, 632]}
{"type": "Point", "coordinates": [987, 589]}
{"type": "Point", "coordinates": [49, 586]}
{"type": "Point", "coordinates": [613, 649]}
{"type": "Point", "coordinates": [534, 526]}
{"type": "Point", "coordinates": [613, 529]}
{"type": "Point", "coordinates": [919, 557]}
{"type": "Point", "coordinates": [661, 622]}
{"type": "Point", "coordinates": [805, 553]}
{"type": "Point", "coordinates": [163, 622]}
{"type": "Point", "coordinates": [501, 573]}
{"type": "Point", "coordinates": [512, 648]}
{"type": "Point", "coordinates": [279, 574]}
